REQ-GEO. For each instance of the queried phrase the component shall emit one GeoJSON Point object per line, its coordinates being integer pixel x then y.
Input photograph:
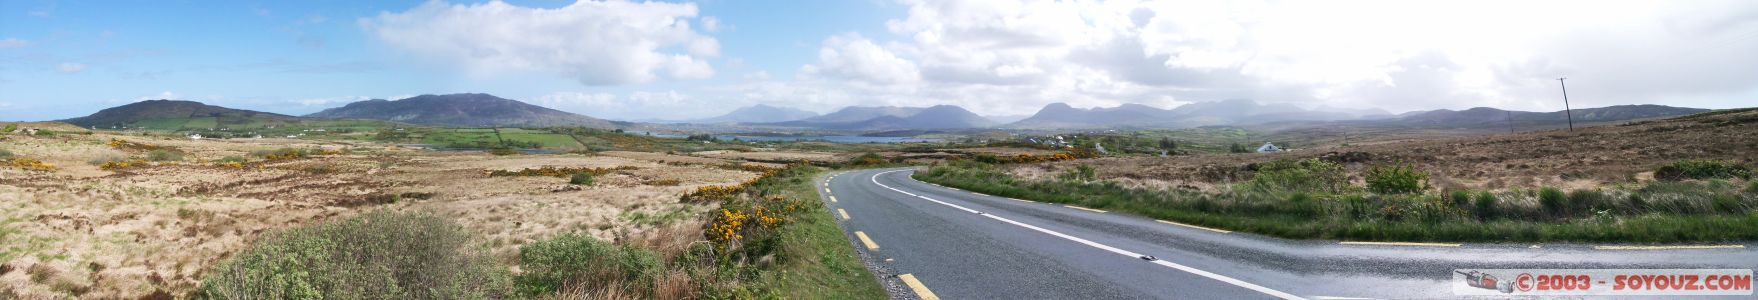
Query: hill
{"type": "Point", "coordinates": [1491, 117]}
{"type": "Point", "coordinates": [1247, 112]}
{"type": "Point", "coordinates": [1226, 112]}
{"type": "Point", "coordinates": [461, 110]}
{"type": "Point", "coordinates": [758, 114]}
{"type": "Point", "coordinates": [174, 114]}
{"type": "Point", "coordinates": [871, 118]}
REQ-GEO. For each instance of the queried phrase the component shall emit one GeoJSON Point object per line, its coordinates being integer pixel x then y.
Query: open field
{"type": "Point", "coordinates": [143, 227]}
{"type": "Point", "coordinates": [1662, 181]}
{"type": "Point", "coordinates": [1586, 157]}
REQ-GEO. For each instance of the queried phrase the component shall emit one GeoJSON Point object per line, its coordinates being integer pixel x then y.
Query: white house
{"type": "Point", "coordinates": [1267, 148]}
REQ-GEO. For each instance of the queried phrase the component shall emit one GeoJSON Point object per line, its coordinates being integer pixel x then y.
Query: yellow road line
{"type": "Point", "coordinates": [833, 199]}
{"type": "Point", "coordinates": [1083, 208]}
{"type": "Point", "coordinates": [866, 241]}
{"type": "Point", "coordinates": [1401, 244]}
{"type": "Point", "coordinates": [844, 214]}
{"type": "Point", "coordinates": [916, 285]}
{"type": "Point", "coordinates": [1669, 247]}
{"type": "Point", "coordinates": [1193, 226]}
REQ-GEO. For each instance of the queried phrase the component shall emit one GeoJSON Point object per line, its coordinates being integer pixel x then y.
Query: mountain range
{"type": "Point", "coordinates": [1227, 112]}
{"type": "Point", "coordinates": [461, 110]}
{"type": "Point", "coordinates": [893, 118]}
{"type": "Point", "coordinates": [177, 111]}
{"type": "Point", "coordinates": [760, 113]}
{"type": "Point", "coordinates": [483, 110]}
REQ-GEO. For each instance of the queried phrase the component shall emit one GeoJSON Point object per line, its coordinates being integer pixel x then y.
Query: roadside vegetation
{"type": "Point", "coordinates": [1709, 201]}
{"type": "Point", "coordinates": [769, 238]}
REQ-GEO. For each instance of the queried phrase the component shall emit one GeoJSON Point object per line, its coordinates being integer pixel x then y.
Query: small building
{"type": "Point", "coordinates": [1268, 147]}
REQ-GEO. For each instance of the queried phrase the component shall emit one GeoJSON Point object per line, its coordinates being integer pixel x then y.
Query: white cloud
{"type": "Point", "coordinates": [166, 95]}
{"type": "Point", "coordinates": [68, 67]}
{"type": "Point", "coordinates": [579, 100]}
{"type": "Point", "coordinates": [10, 43]}
{"type": "Point", "coordinates": [850, 56]}
{"type": "Point", "coordinates": [710, 24]}
{"type": "Point", "coordinates": [1010, 57]}
{"type": "Point", "coordinates": [596, 43]}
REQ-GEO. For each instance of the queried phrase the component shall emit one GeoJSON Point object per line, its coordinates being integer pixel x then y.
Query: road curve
{"type": "Point", "coordinates": [947, 243]}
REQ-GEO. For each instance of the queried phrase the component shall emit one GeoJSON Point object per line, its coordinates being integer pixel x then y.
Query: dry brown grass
{"type": "Point", "coordinates": [156, 229]}
{"type": "Point", "coordinates": [1586, 157]}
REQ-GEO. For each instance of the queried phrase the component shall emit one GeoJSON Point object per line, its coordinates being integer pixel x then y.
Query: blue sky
{"type": "Point", "coordinates": [272, 55]}
{"type": "Point", "coordinates": [681, 60]}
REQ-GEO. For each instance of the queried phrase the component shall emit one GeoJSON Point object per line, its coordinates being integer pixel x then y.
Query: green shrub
{"type": "Point", "coordinates": [1552, 199]}
{"type": "Point", "coordinates": [581, 179]}
{"type": "Point", "coordinates": [1081, 173]}
{"type": "Point", "coordinates": [1310, 175]}
{"type": "Point", "coordinates": [1485, 208]}
{"type": "Point", "coordinates": [987, 158]}
{"type": "Point", "coordinates": [1636, 203]}
{"type": "Point", "coordinates": [163, 155]}
{"type": "Point", "coordinates": [8, 154]}
{"type": "Point", "coordinates": [233, 159]}
{"type": "Point", "coordinates": [1728, 203]}
{"type": "Point", "coordinates": [1461, 198]}
{"type": "Point", "coordinates": [1702, 169]}
{"type": "Point", "coordinates": [572, 260]}
{"type": "Point", "coordinates": [377, 255]}
{"type": "Point", "coordinates": [1238, 148]}
{"type": "Point", "coordinates": [1585, 200]}
{"type": "Point", "coordinates": [867, 159]}
{"type": "Point", "coordinates": [1751, 187]}
{"type": "Point", "coordinates": [9, 128]}
{"type": "Point", "coordinates": [1396, 178]}
{"type": "Point", "coordinates": [503, 151]}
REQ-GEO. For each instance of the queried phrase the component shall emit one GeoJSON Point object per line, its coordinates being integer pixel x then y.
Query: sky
{"type": "Point", "coordinates": [656, 60]}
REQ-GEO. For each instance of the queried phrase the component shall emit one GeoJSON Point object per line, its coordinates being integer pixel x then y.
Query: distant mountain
{"type": "Point", "coordinates": [1484, 116]}
{"type": "Point", "coordinates": [758, 114]}
{"type": "Point", "coordinates": [1061, 115]}
{"type": "Point", "coordinates": [461, 110]}
{"type": "Point", "coordinates": [894, 118]}
{"type": "Point", "coordinates": [171, 114]}
{"type": "Point", "coordinates": [1226, 112]}
{"type": "Point", "coordinates": [861, 113]}
{"type": "Point", "coordinates": [1004, 119]}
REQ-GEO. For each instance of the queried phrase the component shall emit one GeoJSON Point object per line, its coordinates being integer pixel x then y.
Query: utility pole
{"type": "Point", "coordinates": [1566, 112]}
{"type": "Point", "coordinates": [1510, 121]}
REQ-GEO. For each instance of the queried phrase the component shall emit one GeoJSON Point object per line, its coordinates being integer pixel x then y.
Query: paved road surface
{"type": "Point", "coordinates": [961, 245]}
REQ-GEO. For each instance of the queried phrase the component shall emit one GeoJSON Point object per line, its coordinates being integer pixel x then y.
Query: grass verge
{"type": "Point", "coordinates": [1663, 212]}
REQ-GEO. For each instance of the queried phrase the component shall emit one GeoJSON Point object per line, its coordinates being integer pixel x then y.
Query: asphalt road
{"type": "Point", "coordinates": [955, 244]}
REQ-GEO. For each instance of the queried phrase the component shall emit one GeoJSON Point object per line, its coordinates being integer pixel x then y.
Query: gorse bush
{"type": "Point", "coordinates": [377, 255]}
{"type": "Point", "coordinates": [1396, 178]}
{"type": "Point", "coordinates": [581, 179]}
{"type": "Point", "coordinates": [571, 260]}
{"type": "Point", "coordinates": [1702, 169]}
{"type": "Point", "coordinates": [1309, 175]}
